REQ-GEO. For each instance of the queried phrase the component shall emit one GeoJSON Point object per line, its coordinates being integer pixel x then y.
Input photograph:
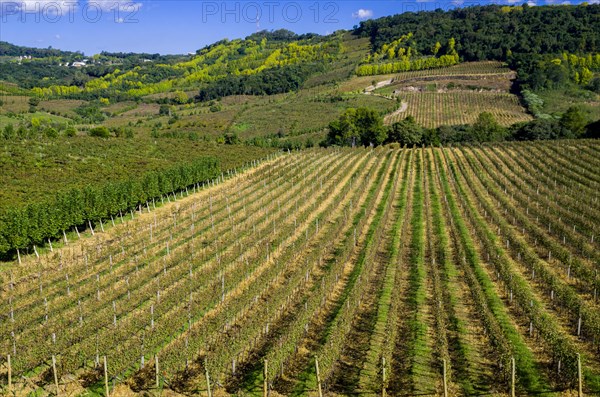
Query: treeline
{"type": "Point", "coordinates": [402, 55]}
{"type": "Point", "coordinates": [268, 82]}
{"type": "Point", "coordinates": [282, 35]}
{"type": "Point", "coordinates": [8, 49]}
{"type": "Point", "coordinates": [34, 224]}
{"type": "Point", "coordinates": [47, 68]}
{"type": "Point", "coordinates": [407, 65]}
{"type": "Point", "coordinates": [36, 74]}
{"type": "Point", "coordinates": [365, 127]}
{"type": "Point", "coordinates": [539, 72]}
{"type": "Point", "coordinates": [493, 31]}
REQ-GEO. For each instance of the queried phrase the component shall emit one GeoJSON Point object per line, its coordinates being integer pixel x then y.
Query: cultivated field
{"type": "Point", "coordinates": [432, 109]}
{"type": "Point", "coordinates": [451, 96]}
{"type": "Point", "coordinates": [384, 269]}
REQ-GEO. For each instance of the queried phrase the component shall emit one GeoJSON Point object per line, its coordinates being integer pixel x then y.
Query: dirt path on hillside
{"type": "Point", "coordinates": [403, 107]}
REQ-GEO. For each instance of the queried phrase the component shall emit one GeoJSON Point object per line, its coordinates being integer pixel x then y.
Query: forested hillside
{"type": "Point", "coordinates": [494, 32]}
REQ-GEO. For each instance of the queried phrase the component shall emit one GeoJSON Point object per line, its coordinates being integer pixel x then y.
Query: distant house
{"type": "Point", "coordinates": [78, 64]}
{"type": "Point", "coordinates": [22, 57]}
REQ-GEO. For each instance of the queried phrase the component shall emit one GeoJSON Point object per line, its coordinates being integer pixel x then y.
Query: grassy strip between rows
{"type": "Point", "coordinates": [561, 347]}
{"type": "Point", "coordinates": [461, 351]}
{"type": "Point", "coordinates": [385, 314]}
{"type": "Point", "coordinates": [308, 379]}
{"type": "Point", "coordinates": [419, 350]}
{"type": "Point", "coordinates": [528, 373]}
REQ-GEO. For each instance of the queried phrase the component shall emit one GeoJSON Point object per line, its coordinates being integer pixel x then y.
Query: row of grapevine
{"type": "Point", "coordinates": [432, 109]}
{"type": "Point", "coordinates": [418, 271]}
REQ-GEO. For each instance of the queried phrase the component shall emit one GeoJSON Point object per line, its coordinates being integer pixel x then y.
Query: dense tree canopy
{"type": "Point", "coordinates": [268, 82]}
{"type": "Point", "coordinates": [362, 126]}
{"type": "Point", "coordinates": [493, 31]}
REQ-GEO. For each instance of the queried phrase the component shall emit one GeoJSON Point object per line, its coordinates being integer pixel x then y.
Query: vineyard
{"type": "Point", "coordinates": [423, 271]}
{"type": "Point", "coordinates": [432, 109]}
{"type": "Point", "coordinates": [483, 68]}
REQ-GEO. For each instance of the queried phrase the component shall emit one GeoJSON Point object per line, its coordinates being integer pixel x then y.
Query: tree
{"type": "Point", "coordinates": [51, 132]}
{"type": "Point", "coordinates": [231, 138]}
{"type": "Point", "coordinates": [574, 120]}
{"type": "Point", "coordinates": [369, 127]}
{"type": "Point", "coordinates": [180, 97]}
{"type": "Point", "coordinates": [595, 85]}
{"type": "Point", "coordinates": [406, 132]}
{"type": "Point", "coordinates": [593, 130]}
{"type": "Point", "coordinates": [537, 129]}
{"type": "Point", "coordinates": [585, 77]}
{"type": "Point", "coordinates": [33, 101]}
{"type": "Point", "coordinates": [70, 131]}
{"type": "Point", "coordinates": [164, 110]}
{"type": "Point", "coordinates": [343, 131]}
{"type": "Point", "coordinates": [357, 126]}
{"type": "Point", "coordinates": [487, 129]}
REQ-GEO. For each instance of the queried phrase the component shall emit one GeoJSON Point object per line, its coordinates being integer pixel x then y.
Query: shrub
{"type": "Point", "coordinates": [100, 132]}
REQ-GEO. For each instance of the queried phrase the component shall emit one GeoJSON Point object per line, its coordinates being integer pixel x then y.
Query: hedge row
{"type": "Point", "coordinates": [34, 224]}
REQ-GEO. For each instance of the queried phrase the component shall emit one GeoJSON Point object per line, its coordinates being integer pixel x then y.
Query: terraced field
{"type": "Point", "coordinates": [385, 269]}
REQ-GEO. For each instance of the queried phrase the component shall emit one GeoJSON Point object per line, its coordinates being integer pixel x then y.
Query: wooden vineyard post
{"type": "Point", "coordinates": [157, 371]}
{"type": "Point", "coordinates": [106, 378]}
{"type": "Point", "coordinates": [9, 374]}
{"type": "Point", "coordinates": [207, 379]}
{"type": "Point", "coordinates": [445, 380]}
{"type": "Point", "coordinates": [579, 377]}
{"type": "Point", "coordinates": [318, 377]}
{"type": "Point", "coordinates": [55, 375]}
{"type": "Point", "coordinates": [512, 376]}
{"type": "Point", "coordinates": [266, 377]}
{"type": "Point", "coordinates": [383, 377]}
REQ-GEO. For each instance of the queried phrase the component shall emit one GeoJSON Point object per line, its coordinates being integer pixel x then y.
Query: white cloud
{"type": "Point", "coordinates": [111, 5]}
{"type": "Point", "coordinates": [515, 1]}
{"type": "Point", "coordinates": [531, 3]}
{"type": "Point", "coordinates": [57, 36]}
{"type": "Point", "coordinates": [363, 14]}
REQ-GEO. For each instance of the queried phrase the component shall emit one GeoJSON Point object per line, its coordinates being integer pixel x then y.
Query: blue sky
{"type": "Point", "coordinates": [175, 27]}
